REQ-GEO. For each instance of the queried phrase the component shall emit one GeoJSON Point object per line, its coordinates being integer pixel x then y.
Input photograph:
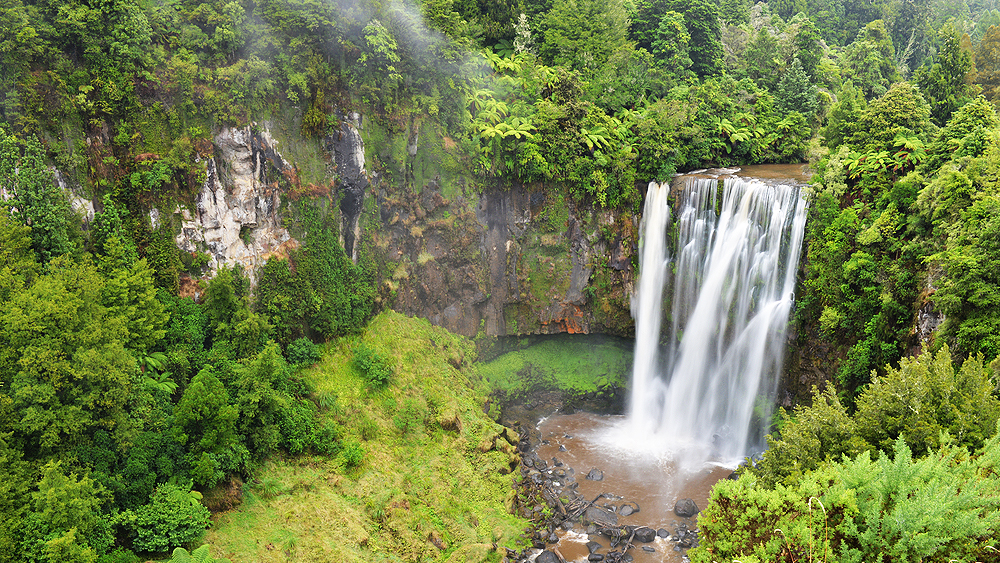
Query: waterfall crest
{"type": "Point", "coordinates": [695, 393]}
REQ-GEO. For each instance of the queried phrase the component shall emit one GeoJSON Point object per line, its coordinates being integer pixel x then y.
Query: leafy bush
{"type": "Point", "coordinates": [921, 401]}
{"type": "Point", "coordinates": [303, 352]}
{"type": "Point", "coordinates": [353, 454]}
{"type": "Point", "coordinates": [943, 507]}
{"type": "Point", "coordinates": [200, 555]}
{"type": "Point", "coordinates": [173, 517]}
{"type": "Point", "coordinates": [373, 366]}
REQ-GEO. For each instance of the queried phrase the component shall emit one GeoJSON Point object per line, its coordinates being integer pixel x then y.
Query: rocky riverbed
{"type": "Point", "coordinates": [589, 501]}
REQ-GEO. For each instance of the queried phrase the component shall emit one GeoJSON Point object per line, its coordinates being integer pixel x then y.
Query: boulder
{"type": "Point", "coordinates": [600, 516]}
{"type": "Point", "coordinates": [595, 475]}
{"type": "Point", "coordinates": [547, 557]}
{"type": "Point", "coordinates": [686, 508]}
{"type": "Point", "coordinates": [644, 534]}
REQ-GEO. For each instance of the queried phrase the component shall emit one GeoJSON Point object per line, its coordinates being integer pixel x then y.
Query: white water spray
{"type": "Point", "coordinates": [695, 395]}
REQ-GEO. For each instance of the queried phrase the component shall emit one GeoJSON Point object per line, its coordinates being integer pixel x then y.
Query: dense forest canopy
{"type": "Point", "coordinates": [120, 399]}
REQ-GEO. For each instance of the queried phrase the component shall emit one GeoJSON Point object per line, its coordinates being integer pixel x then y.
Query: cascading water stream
{"type": "Point", "coordinates": [695, 395]}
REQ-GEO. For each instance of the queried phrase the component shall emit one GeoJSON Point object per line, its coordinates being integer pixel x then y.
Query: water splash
{"type": "Point", "coordinates": [704, 392]}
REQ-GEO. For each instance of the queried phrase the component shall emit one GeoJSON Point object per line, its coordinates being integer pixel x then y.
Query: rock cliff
{"type": "Point", "coordinates": [495, 262]}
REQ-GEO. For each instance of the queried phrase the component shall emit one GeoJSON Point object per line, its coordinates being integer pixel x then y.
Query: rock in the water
{"type": "Point", "coordinates": [625, 510]}
{"type": "Point", "coordinates": [547, 557]}
{"type": "Point", "coordinates": [593, 546]}
{"type": "Point", "coordinates": [556, 462]}
{"type": "Point", "coordinates": [663, 533]}
{"type": "Point", "coordinates": [595, 557]}
{"type": "Point", "coordinates": [648, 549]}
{"type": "Point", "coordinates": [562, 448]}
{"type": "Point", "coordinates": [644, 534]}
{"type": "Point", "coordinates": [686, 508]}
{"type": "Point", "coordinates": [595, 475]}
{"type": "Point", "coordinates": [600, 516]}
{"type": "Point", "coordinates": [553, 538]}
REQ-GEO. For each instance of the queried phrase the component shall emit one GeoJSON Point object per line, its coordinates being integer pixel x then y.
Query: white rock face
{"type": "Point", "coordinates": [236, 214]}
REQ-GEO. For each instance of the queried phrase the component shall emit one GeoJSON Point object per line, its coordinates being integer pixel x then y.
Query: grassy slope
{"type": "Point", "coordinates": [433, 485]}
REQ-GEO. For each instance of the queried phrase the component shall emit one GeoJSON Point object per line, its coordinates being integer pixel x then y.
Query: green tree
{"type": "Point", "coordinates": [987, 63]}
{"type": "Point", "coordinates": [671, 44]}
{"type": "Point", "coordinates": [808, 49]}
{"type": "Point", "coordinates": [870, 60]}
{"type": "Point", "coordinates": [701, 20]}
{"type": "Point", "coordinates": [796, 92]}
{"type": "Point", "coordinates": [842, 122]}
{"type": "Point", "coordinates": [761, 60]}
{"type": "Point", "coordinates": [173, 517]}
{"type": "Point", "coordinates": [583, 34]}
{"type": "Point", "coordinates": [62, 356]}
{"type": "Point", "coordinates": [946, 84]}
{"type": "Point", "coordinates": [901, 111]}
{"type": "Point", "coordinates": [969, 295]}
{"type": "Point", "coordinates": [926, 396]}
{"type": "Point", "coordinates": [208, 422]}
{"type": "Point", "coordinates": [38, 200]}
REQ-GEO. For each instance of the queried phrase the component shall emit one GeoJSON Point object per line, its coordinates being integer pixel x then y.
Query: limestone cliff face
{"type": "Point", "coordinates": [235, 216]}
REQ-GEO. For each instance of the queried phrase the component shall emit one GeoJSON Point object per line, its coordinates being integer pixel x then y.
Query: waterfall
{"type": "Point", "coordinates": [705, 392]}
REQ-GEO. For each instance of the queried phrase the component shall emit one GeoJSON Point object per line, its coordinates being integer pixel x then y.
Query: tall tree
{"type": "Point", "coordinates": [38, 200]}
{"type": "Point", "coordinates": [701, 19]}
{"type": "Point", "coordinates": [870, 60]}
{"type": "Point", "coordinates": [988, 64]}
{"type": "Point", "coordinates": [947, 83]}
{"type": "Point", "coordinates": [582, 34]}
{"type": "Point", "coordinates": [795, 92]}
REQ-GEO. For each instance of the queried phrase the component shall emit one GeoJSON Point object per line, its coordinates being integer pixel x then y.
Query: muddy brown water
{"type": "Point", "coordinates": [655, 484]}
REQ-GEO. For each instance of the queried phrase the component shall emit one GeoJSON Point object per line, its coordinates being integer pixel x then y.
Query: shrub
{"type": "Point", "coordinates": [303, 352]}
{"type": "Point", "coordinates": [173, 517]}
{"type": "Point", "coordinates": [353, 454]}
{"type": "Point", "coordinates": [374, 367]}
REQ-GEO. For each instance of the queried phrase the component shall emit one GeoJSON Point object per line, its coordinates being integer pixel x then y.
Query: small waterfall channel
{"type": "Point", "coordinates": [703, 384]}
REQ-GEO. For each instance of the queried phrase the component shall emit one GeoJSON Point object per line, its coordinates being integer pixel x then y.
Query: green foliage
{"type": "Point", "coordinates": [795, 92]}
{"type": "Point", "coordinates": [173, 517]}
{"type": "Point", "coordinates": [945, 84]}
{"type": "Point", "coordinates": [870, 60]}
{"type": "Point", "coordinates": [925, 398]}
{"type": "Point", "coordinates": [206, 418]}
{"type": "Point", "coordinates": [943, 507]}
{"type": "Point", "coordinates": [199, 555]}
{"type": "Point", "coordinates": [925, 402]}
{"type": "Point", "coordinates": [303, 352]}
{"type": "Point", "coordinates": [374, 367]}
{"type": "Point", "coordinates": [38, 200]}
{"type": "Point", "coordinates": [582, 34]}
{"type": "Point", "coordinates": [969, 294]}
{"type": "Point", "coordinates": [900, 111]}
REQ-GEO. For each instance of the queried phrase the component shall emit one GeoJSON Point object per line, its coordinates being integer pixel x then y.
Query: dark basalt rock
{"type": "Point", "coordinates": [628, 509]}
{"type": "Point", "coordinates": [600, 516]}
{"type": "Point", "coordinates": [595, 474]}
{"type": "Point", "coordinates": [648, 549]}
{"type": "Point", "coordinates": [593, 546]}
{"type": "Point", "coordinates": [547, 557]}
{"type": "Point", "coordinates": [663, 533]}
{"type": "Point", "coordinates": [595, 557]}
{"type": "Point", "coordinates": [686, 508]}
{"type": "Point", "coordinates": [644, 534]}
